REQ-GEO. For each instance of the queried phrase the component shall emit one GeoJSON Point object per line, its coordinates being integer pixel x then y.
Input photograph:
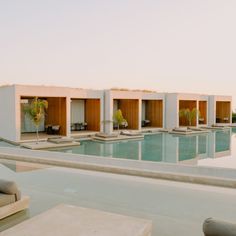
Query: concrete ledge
{"type": "Point", "coordinates": [14, 207]}
{"type": "Point", "coordinates": [188, 132]}
{"type": "Point", "coordinates": [197, 175]}
{"type": "Point", "coordinates": [118, 138]}
{"type": "Point", "coordinates": [48, 145]}
{"type": "Point", "coordinates": [217, 127]}
{"type": "Point", "coordinates": [72, 220]}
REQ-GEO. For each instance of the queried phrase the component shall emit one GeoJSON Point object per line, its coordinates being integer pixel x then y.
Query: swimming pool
{"type": "Point", "coordinates": [164, 147]}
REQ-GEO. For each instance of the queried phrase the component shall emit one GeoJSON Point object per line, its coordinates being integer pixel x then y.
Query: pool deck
{"type": "Point", "coordinates": [118, 138]}
{"type": "Point", "coordinates": [175, 208]}
{"type": "Point", "coordinates": [48, 145]}
{"type": "Point", "coordinates": [192, 132]}
{"type": "Point", "coordinates": [192, 174]}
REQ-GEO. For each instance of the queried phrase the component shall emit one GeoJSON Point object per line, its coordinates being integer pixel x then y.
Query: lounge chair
{"type": "Point", "coordinates": [182, 130]}
{"type": "Point", "coordinates": [145, 123]}
{"type": "Point", "coordinates": [197, 129]}
{"type": "Point", "coordinates": [226, 119]}
{"type": "Point", "coordinates": [213, 227]}
{"type": "Point", "coordinates": [79, 126]}
{"type": "Point", "coordinates": [105, 135]}
{"type": "Point", "coordinates": [128, 133]}
{"type": "Point", "coordinates": [53, 129]}
{"type": "Point", "coordinates": [59, 140]}
{"type": "Point", "coordinates": [56, 129]}
{"type": "Point", "coordinates": [123, 125]}
{"type": "Point", "coordinates": [11, 201]}
{"type": "Point", "coordinates": [201, 120]}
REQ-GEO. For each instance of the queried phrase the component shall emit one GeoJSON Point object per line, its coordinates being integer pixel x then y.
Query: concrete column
{"type": "Point", "coordinates": [211, 110]}
{"type": "Point", "coordinates": [171, 111]}
{"type": "Point", "coordinates": [102, 113]}
{"type": "Point", "coordinates": [108, 111]}
{"type": "Point", "coordinates": [17, 108]}
{"type": "Point", "coordinates": [197, 115]}
{"type": "Point", "coordinates": [163, 113]}
{"type": "Point", "coordinates": [139, 114]}
{"type": "Point", "coordinates": [177, 112]}
{"type": "Point", "coordinates": [68, 115]}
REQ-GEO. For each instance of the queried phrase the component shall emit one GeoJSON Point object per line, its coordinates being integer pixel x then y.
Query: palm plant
{"type": "Point", "coordinates": [189, 115]}
{"type": "Point", "coordinates": [119, 119]}
{"type": "Point", "coordinates": [36, 112]}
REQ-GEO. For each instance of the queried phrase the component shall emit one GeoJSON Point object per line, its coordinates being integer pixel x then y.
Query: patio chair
{"type": "Point", "coordinates": [83, 126]}
{"type": "Point", "coordinates": [145, 123]}
{"type": "Point", "coordinates": [201, 120]}
{"type": "Point", "coordinates": [48, 129]}
{"type": "Point", "coordinates": [11, 201]}
{"type": "Point", "coordinates": [214, 227]}
{"type": "Point", "coordinates": [124, 125]}
{"type": "Point", "coordinates": [56, 129]}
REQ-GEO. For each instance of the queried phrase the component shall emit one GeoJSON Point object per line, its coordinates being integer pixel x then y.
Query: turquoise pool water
{"type": "Point", "coordinates": [5, 144]}
{"type": "Point", "coordinates": [163, 147]}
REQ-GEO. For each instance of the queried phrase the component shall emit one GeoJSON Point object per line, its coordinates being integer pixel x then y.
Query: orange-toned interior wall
{"type": "Point", "coordinates": [203, 112]}
{"type": "Point", "coordinates": [92, 114]}
{"type": "Point", "coordinates": [130, 111]}
{"type": "Point", "coordinates": [187, 104]}
{"type": "Point", "coordinates": [56, 113]}
{"type": "Point", "coordinates": [223, 112]}
{"type": "Point", "coordinates": [154, 112]}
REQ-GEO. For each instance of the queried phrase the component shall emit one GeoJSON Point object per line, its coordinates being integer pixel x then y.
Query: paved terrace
{"type": "Point", "coordinates": [175, 208]}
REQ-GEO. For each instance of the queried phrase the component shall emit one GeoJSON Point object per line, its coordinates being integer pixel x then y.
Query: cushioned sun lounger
{"type": "Point", "coordinates": [128, 133]}
{"type": "Point", "coordinates": [104, 135]}
{"type": "Point", "coordinates": [10, 199]}
{"type": "Point", "coordinates": [60, 140]}
{"type": "Point", "coordinates": [182, 129]}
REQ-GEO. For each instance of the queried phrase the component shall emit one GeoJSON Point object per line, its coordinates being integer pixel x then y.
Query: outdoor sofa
{"type": "Point", "coordinates": [10, 199]}
{"type": "Point", "coordinates": [214, 227]}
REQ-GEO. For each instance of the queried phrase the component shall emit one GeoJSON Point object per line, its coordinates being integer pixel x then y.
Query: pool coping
{"type": "Point", "coordinates": [214, 176]}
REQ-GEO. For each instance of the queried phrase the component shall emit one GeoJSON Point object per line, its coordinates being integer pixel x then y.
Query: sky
{"type": "Point", "coordinates": [162, 45]}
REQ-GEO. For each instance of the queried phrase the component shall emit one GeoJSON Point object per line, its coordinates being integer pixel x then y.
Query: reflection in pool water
{"type": "Point", "coordinates": [163, 147]}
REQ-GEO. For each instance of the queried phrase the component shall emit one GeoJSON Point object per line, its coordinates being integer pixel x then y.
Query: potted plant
{"type": "Point", "coordinates": [119, 119]}
{"type": "Point", "coordinates": [189, 115]}
{"type": "Point", "coordinates": [36, 112]}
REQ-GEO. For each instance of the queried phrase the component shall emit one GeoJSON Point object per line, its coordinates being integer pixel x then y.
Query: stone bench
{"type": "Point", "coordinates": [72, 220]}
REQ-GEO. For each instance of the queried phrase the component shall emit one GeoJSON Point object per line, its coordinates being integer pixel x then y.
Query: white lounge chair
{"type": "Point", "coordinates": [128, 133]}
{"type": "Point", "coordinates": [182, 129]}
{"type": "Point", "coordinates": [105, 135]}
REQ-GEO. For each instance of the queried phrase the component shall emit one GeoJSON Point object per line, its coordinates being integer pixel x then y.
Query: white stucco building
{"type": "Point", "coordinates": [67, 107]}
{"type": "Point", "coordinates": [74, 110]}
{"type": "Point", "coordinates": [140, 109]}
{"type": "Point", "coordinates": [212, 109]}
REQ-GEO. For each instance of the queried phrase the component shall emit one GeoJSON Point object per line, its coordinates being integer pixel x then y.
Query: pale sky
{"type": "Point", "coordinates": [163, 45]}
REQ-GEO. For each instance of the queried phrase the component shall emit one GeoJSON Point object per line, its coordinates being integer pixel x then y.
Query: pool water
{"type": "Point", "coordinates": [6, 144]}
{"type": "Point", "coordinates": [164, 147]}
